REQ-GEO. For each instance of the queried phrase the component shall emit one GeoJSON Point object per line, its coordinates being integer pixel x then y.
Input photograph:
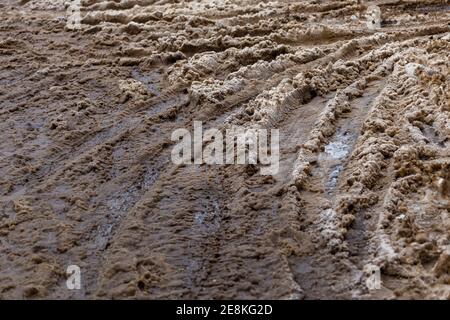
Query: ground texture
{"type": "Point", "coordinates": [86, 176]}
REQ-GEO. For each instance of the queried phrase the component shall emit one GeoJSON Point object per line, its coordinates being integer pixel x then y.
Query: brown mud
{"type": "Point", "coordinates": [86, 176]}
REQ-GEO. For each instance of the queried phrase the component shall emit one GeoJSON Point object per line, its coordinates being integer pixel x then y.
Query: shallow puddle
{"type": "Point", "coordinates": [333, 157]}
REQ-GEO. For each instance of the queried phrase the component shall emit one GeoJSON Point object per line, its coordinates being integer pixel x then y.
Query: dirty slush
{"type": "Point", "coordinates": [360, 94]}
